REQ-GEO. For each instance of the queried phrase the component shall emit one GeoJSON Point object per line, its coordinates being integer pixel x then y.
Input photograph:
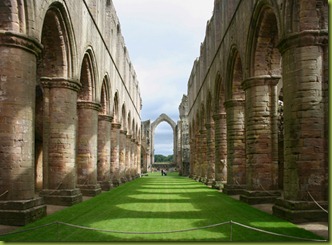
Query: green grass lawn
{"type": "Point", "coordinates": [158, 203]}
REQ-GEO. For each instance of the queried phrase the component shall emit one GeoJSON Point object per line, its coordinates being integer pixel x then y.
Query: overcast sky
{"type": "Point", "coordinates": [163, 38]}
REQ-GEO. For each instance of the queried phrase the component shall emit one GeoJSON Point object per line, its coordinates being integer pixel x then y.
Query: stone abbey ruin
{"type": "Point", "coordinates": [254, 121]}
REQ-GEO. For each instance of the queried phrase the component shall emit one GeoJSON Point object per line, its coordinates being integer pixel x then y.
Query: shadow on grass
{"type": "Point", "coordinates": [161, 203]}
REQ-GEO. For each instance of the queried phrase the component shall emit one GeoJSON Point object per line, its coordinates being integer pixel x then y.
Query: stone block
{"type": "Point", "coordinates": [19, 213]}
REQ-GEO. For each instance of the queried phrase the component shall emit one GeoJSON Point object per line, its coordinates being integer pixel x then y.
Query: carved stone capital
{"type": "Point", "coordinates": [123, 132]}
{"type": "Point", "coordinates": [106, 118]}
{"type": "Point", "coordinates": [82, 104]}
{"type": "Point", "coordinates": [116, 125]}
{"type": "Point", "coordinates": [20, 41]}
{"type": "Point", "coordinates": [303, 39]}
{"type": "Point", "coordinates": [234, 103]}
{"type": "Point", "coordinates": [264, 80]}
{"type": "Point", "coordinates": [219, 116]}
{"type": "Point", "coordinates": [60, 82]}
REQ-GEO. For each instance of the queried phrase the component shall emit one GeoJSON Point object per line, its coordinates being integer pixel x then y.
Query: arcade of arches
{"type": "Point", "coordinates": [69, 105]}
{"type": "Point", "coordinates": [254, 121]}
{"type": "Point", "coordinates": [258, 105]}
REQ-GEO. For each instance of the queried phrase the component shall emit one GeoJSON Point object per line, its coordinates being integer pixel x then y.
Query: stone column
{"type": "Point", "coordinates": [203, 158]}
{"type": "Point", "coordinates": [134, 159]}
{"type": "Point", "coordinates": [104, 152]}
{"type": "Point", "coordinates": [198, 162]}
{"type": "Point", "coordinates": [138, 158]}
{"type": "Point", "coordinates": [59, 142]}
{"type": "Point", "coordinates": [236, 149]}
{"type": "Point", "coordinates": [87, 145]}
{"type": "Point", "coordinates": [115, 154]}
{"type": "Point", "coordinates": [261, 140]}
{"type": "Point", "coordinates": [220, 150]}
{"type": "Point", "coordinates": [210, 154]}
{"type": "Point", "coordinates": [304, 57]}
{"type": "Point", "coordinates": [18, 204]}
{"type": "Point", "coordinates": [128, 160]}
{"type": "Point", "coordinates": [122, 156]}
{"type": "Point", "coordinates": [191, 157]}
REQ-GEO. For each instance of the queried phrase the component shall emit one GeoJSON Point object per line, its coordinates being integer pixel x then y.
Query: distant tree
{"type": "Point", "coordinates": [162, 158]}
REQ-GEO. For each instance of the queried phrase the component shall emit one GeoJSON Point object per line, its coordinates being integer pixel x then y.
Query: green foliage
{"type": "Point", "coordinates": [162, 158]}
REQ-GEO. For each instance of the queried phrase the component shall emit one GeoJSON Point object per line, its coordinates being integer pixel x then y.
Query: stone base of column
{"type": "Point", "coordinates": [203, 179]}
{"type": "Point", "coordinates": [22, 212]}
{"type": "Point", "coordinates": [209, 182]}
{"type": "Point", "coordinates": [106, 185]}
{"type": "Point", "coordinates": [90, 190]}
{"type": "Point", "coordinates": [259, 197]}
{"type": "Point", "coordinates": [123, 179]}
{"type": "Point", "coordinates": [300, 211]}
{"type": "Point", "coordinates": [233, 189]}
{"type": "Point", "coordinates": [65, 197]}
{"type": "Point", "coordinates": [219, 185]}
{"type": "Point", "coordinates": [116, 182]}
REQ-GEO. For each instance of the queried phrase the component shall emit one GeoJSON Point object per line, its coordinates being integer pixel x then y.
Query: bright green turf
{"type": "Point", "coordinates": [160, 203]}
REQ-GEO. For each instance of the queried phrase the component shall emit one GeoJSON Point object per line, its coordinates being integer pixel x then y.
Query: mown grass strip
{"type": "Point", "coordinates": [155, 204]}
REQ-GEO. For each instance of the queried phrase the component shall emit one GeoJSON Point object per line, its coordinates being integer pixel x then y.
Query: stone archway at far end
{"type": "Point", "coordinates": [163, 118]}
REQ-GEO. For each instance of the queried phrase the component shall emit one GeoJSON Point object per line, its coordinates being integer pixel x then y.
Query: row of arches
{"type": "Point", "coordinates": [70, 108]}
{"type": "Point", "coordinates": [250, 108]}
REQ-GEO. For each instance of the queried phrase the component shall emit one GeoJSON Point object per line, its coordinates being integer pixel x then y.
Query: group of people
{"type": "Point", "coordinates": [163, 172]}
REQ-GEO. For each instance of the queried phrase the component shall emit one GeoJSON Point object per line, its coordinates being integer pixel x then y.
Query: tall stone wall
{"type": "Point", "coordinates": [183, 138]}
{"type": "Point", "coordinates": [69, 95]}
{"type": "Point", "coordinates": [256, 56]}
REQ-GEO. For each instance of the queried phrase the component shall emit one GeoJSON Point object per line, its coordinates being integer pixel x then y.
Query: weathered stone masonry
{"type": "Point", "coordinates": [65, 74]}
{"type": "Point", "coordinates": [260, 57]}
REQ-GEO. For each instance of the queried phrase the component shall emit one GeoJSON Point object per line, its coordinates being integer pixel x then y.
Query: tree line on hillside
{"type": "Point", "coordinates": [162, 158]}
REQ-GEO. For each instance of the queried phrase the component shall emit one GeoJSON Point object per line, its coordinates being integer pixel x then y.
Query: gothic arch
{"type": "Point", "coordinates": [163, 118]}
{"type": "Point", "coordinates": [104, 96]}
{"type": "Point", "coordinates": [58, 44]}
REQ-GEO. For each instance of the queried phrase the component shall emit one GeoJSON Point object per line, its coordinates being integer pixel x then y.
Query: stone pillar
{"type": "Point", "coordinates": [133, 159]}
{"type": "Point", "coordinates": [198, 162]}
{"type": "Point", "coordinates": [203, 158]}
{"type": "Point", "coordinates": [304, 57]}
{"type": "Point", "coordinates": [104, 152]}
{"type": "Point", "coordinates": [261, 140]}
{"type": "Point", "coordinates": [138, 158]}
{"type": "Point", "coordinates": [122, 156]}
{"type": "Point", "coordinates": [18, 204]}
{"type": "Point", "coordinates": [210, 154]}
{"type": "Point", "coordinates": [115, 154]}
{"type": "Point", "coordinates": [128, 160]}
{"type": "Point", "coordinates": [192, 157]}
{"type": "Point", "coordinates": [236, 149]}
{"type": "Point", "coordinates": [220, 150]}
{"type": "Point", "coordinates": [87, 146]}
{"type": "Point", "coordinates": [59, 142]}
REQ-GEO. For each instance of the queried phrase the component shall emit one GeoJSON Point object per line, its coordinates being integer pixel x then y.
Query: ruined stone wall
{"type": "Point", "coordinates": [183, 147]}
{"type": "Point", "coordinates": [257, 54]}
{"type": "Point", "coordinates": [67, 90]}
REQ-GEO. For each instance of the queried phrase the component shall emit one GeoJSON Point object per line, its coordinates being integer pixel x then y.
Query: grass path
{"type": "Point", "coordinates": [157, 203]}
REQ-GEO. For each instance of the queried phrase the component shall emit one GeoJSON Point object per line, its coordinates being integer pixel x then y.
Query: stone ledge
{"type": "Point", "coordinates": [65, 197]}
{"type": "Point", "coordinates": [259, 197]}
{"type": "Point", "coordinates": [90, 190]}
{"type": "Point", "coordinates": [21, 204]}
{"type": "Point", "coordinates": [24, 214]}
{"type": "Point", "coordinates": [106, 185]}
{"type": "Point", "coordinates": [300, 215]}
{"type": "Point", "coordinates": [233, 189]}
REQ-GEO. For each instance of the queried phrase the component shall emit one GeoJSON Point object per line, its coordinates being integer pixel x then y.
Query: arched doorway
{"type": "Point", "coordinates": [163, 118]}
